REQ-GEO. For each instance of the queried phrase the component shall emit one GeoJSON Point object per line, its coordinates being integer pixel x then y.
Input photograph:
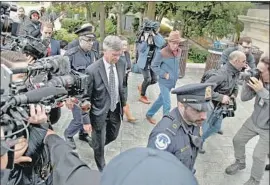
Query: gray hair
{"type": "Point", "coordinates": [236, 55]}
{"type": "Point", "coordinates": [112, 42]}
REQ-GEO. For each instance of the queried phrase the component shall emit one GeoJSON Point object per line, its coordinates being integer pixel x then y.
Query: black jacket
{"type": "Point", "coordinates": [98, 91]}
{"type": "Point", "coordinates": [226, 79]}
{"type": "Point", "coordinates": [68, 169]}
{"type": "Point", "coordinates": [33, 29]}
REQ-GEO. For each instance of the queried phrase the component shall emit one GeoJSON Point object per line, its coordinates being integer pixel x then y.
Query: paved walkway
{"type": "Point", "coordinates": [210, 166]}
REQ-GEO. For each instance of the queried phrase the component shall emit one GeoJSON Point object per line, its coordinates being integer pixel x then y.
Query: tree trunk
{"type": "Point", "coordinates": [102, 23]}
{"type": "Point", "coordinates": [88, 12]}
{"type": "Point", "coordinates": [151, 11]}
{"type": "Point", "coordinates": [119, 18]}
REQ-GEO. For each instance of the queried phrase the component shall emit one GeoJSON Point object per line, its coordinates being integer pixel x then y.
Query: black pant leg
{"type": "Point", "coordinates": [98, 138]}
{"type": "Point", "coordinates": [113, 126]}
{"type": "Point", "coordinates": [146, 80]}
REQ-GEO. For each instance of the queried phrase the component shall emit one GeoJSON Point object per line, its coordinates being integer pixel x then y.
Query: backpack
{"type": "Point", "coordinates": [208, 74]}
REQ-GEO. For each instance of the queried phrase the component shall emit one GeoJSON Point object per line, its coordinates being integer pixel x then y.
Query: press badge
{"type": "Point", "coordinates": [261, 102]}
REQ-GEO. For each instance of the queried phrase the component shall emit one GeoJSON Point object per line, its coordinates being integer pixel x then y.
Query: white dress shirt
{"type": "Point", "coordinates": [107, 68]}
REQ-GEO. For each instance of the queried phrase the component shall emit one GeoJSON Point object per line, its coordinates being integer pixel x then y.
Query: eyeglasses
{"type": "Point", "coordinates": [89, 40]}
{"type": "Point", "coordinates": [246, 47]}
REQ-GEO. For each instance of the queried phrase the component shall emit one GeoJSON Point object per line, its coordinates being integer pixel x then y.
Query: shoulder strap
{"type": "Point", "coordinates": [174, 126]}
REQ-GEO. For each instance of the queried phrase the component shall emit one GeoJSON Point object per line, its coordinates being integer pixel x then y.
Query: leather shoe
{"type": "Point", "coordinates": [86, 138]}
{"type": "Point", "coordinates": [220, 132]}
{"type": "Point", "coordinates": [201, 151]}
{"type": "Point", "coordinates": [151, 120]}
{"type": "Point", "coordinates": [144, 99]}
{"type": "Point", "coordinates": [70, 141]}
{"type": "Point", "coordinates": [132, 120]}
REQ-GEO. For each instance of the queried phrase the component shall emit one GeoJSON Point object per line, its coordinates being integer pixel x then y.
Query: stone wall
{"type": "Point", "coordinates": [256, 26]}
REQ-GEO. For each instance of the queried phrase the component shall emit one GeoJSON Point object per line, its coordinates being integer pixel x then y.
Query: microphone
{"type": "Point", "coordinates": [36, 95]}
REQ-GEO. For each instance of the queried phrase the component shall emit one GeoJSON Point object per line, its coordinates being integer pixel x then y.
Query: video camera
{"type": "Point", "coordinates": [229, 109]}
{"type": "Point", "coordinates": [148, 27]}
{"type": "Point", "coordinates": [53, 71]}
{"type": "Point", "coordinates": [49, 81]}
{"type": "Point", "coordinates": [26, 44]}
{"type": "Point", "coordinates": [7, 24]}
{"type": "Point", "coordinates": [251, 73]}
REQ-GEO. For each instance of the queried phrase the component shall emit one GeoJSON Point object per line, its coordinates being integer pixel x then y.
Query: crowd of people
{"type": "Point", "coordinates": [176, 139]}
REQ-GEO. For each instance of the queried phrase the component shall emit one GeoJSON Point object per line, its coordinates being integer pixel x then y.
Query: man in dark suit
{"type": "Point", "coordinates": [54, 45]}
{"type": "Point", "coordinates": [106, 95]}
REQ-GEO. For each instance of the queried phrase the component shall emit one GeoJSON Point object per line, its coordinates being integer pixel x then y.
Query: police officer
{"type": "Point", "coordinates": [80, 58]}
{"type": "Point", "coordinates": [95, 46]}
{"type": "Point", "coordinates": [179, 132]}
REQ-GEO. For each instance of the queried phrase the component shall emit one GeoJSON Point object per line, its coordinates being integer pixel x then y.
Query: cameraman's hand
{"type": "Point", "coordinates": [37, 114]}
{"type": "Point", "coordinates": [70, 103]}
{"type": "Point", "coordinates": [146, 35]}
{"type": "Point", "coordinates": [233, 96]}
{"type": "Point", "coordinates": [20, 149]}
{"type": "Point", "coordinates": [87, 128]}
{"type": "Point", "coordinates": [255, 84]}
{"type": "Point", "coordinates": [167, 76]}
{"type": "Point", "coordinates": [225, 99]}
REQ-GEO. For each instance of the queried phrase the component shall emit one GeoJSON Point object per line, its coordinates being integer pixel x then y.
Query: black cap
{"type": "Point", "coordinates": [198, 96]}
{"type": "Point", "coordinates": [146, 166]}
{"type": "Point", "coordinates": [85, 31]}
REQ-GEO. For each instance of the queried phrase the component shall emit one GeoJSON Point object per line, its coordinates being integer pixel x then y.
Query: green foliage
{"type": "Point", "coordinates": [214, 19]}
{"type": "Point", "coordinates": [136, 25]}
{"type": "Point", "coordinates": [131, 39]}
{"type": "Point", "coordinates": [110, 28]}
{"type": "Point", "coordinates": [197, 55]}
{"type": "Point", "coordinates": [71, 25]}
{"type": "Point", "coordinates": [63, 34]}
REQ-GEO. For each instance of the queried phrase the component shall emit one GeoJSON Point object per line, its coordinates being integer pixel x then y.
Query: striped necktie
{"type": "Point", "coordinates": [112, 88]}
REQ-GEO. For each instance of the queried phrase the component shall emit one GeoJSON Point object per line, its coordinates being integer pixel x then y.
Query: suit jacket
{"type": "Point", "coordinates": [98, 91]}
{"type": "Point", "coordinates": [55, 47]}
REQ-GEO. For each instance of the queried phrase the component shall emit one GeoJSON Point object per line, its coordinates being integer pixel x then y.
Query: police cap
{"type": "Point", "coordinates": [85, 31]}
{"type": "Point", "coordinates": [146, 166]}
{"type": "Point", "coordinates": [198, 96]}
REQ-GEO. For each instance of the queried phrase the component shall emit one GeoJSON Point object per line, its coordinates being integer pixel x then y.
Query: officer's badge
{"type": "Point", "coordinates": [162, 141]}
{"type": "Point", "coordinates": [208, 92]}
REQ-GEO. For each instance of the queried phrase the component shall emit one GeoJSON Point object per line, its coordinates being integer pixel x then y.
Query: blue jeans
{"type": "Point", "coordinates": [164, 99]}
{"type": "Point", "coordinates": [212, 124]}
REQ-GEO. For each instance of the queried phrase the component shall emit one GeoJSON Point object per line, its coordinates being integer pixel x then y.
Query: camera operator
{"type": "Point", "coordinates": [256, 124]}
{"type": "Point", "coordinates": [227, 89]}
{"type": "Point", "coordinates": [150, 42]}
{"type": "Point", "coordinates": [12, 60]}
{"type": "Point", "coordinates": [34, 26]}
{"type": "Point", "coordinates": [80, 58]}
{"type": "Point", "coordinates": [68, 168]}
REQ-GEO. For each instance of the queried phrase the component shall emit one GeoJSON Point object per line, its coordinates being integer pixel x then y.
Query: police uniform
{"type": "Point", "coordinates": [173, 134]}
{"type": "Point", "coordinates": [79, 60]}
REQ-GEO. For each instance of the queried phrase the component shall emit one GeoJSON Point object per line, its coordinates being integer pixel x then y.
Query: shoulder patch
{"type": "Point", "coordinates": [162, 141]}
